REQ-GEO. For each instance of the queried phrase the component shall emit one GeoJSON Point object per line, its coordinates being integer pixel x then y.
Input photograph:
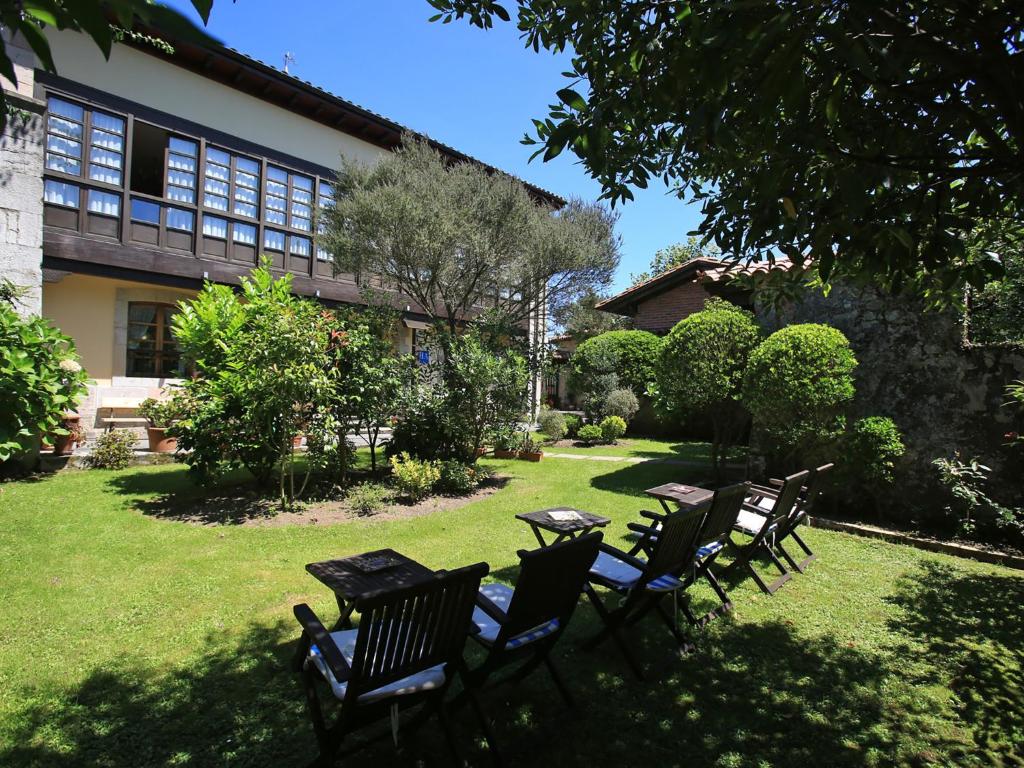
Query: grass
{"type": "Point", "coordinates": [645, 448]}
{"type": "Point", "coordinates": [127, 639]}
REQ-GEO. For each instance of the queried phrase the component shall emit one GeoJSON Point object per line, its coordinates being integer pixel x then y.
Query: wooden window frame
{"type": "Point", "coordinates": [158, 352]}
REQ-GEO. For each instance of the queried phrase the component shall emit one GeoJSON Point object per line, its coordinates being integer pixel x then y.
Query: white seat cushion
{"type": "Point", "coordinates": [426, 680]}
{"type": "Point", "coordinates": [622, 575]}
{"type": "Point", "coordinates": [750, 522]}
{"type": "Point", "coordinates": [501, 596]}
{"type": "Point", "coordinates": [761, 502]}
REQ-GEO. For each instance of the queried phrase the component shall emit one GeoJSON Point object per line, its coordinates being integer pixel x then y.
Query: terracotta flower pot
{"type": "Point", "coordinates": [159, 442]}
{"type": "Point", "coordinates": [64, 445]}
{"type": "Point", "coordinates": [531, 455]}
{"type": "Point", "coordinates": [297, 441]}
{"type": "Point", "coordinates": [481, 452]}
{"type": "Point", "coordinates": [501, 453]}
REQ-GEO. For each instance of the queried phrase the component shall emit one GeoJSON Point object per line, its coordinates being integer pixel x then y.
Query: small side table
{"type": "Point", "coordinates": [584, 522]}
{"type": "Point", "coordinates": [683, 496]}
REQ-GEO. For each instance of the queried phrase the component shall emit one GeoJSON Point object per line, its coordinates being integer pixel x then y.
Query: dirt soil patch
{"type": "Point", "coordinates": [251, 509]}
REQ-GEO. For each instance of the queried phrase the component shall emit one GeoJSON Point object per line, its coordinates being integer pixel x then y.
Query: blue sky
{"type": "Point", "coordinates": [475, 90]}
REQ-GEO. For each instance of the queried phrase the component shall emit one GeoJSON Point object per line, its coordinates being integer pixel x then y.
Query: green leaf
{"type": "Point", "coordinates": [572, 99]}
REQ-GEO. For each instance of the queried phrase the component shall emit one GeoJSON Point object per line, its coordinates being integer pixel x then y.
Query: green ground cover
{"type": "Point", "coordinates": [131, 639]}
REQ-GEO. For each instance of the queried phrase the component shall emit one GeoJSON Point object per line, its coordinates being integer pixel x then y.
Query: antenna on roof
{"type": "Point", "coordinates": [289, 58]}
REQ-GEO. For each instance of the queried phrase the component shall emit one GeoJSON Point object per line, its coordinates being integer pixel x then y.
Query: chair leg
{"type": "Point", "coordinates": [559, 682]}
{"type": "Point", "coordinates": [485, 724]}
{"type": "Point", "coordinates": [784, 575]}
{"type": "Point", "coordinates": [788, 558]}
{"type": "Point", "coordinates": [670, 621]}
{"type": "Point", "coordinates": [612, 628]}
{"type": "Point", "coordinates": [324, 738]}
{"type": "Point", "coordinates": [449, 733]}
{"type": "Point", "coordinates": [807, 550]}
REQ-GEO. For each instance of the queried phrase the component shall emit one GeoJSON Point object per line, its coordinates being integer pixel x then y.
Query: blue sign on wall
{"type": "Point", "coordinates": [423, 357]}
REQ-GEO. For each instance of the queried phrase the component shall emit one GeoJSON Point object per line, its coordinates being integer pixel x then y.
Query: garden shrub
{"type": "Point", "coordinates": [700, 372]}
{"type": "Point", "coordinates": [165, 411]}
{"type": "Point", "coordinates": [529, 444]}
{"type": "Point", "coordinates": [572, 425]}
{"type": "Point", "coordinates": [369, 498]}
{"type": "Point", "coordinates": [630, 355]}
{"type": "Point", "coordinates": [457, 478]}
{"type": "Point", "coordinates": [797, 386]}
{"type": "Point", "coordinates": [612, 428]}
{"type": "Point", "coordinates": [622, 403]}
{"type": "Point", "coordinates": [970, 509]}
{"type": "Point", "coordinates": [40, 379]}
{"type": "Point", "coordinates": [414, 478]}
{"type": "Point", "coordinates": [113, 450]}
{"type": "Point", "coordinates": [552, 423]}
{"type": "Point", "coordinates": [873, 447]}
{"type": "Point", "coordinates": [590, 434]}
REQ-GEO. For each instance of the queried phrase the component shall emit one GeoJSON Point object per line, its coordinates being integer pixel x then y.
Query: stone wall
{"type": "Point", "coordinates": [914, 368]}
{"type": "Point", "coordinates": [21, 183]}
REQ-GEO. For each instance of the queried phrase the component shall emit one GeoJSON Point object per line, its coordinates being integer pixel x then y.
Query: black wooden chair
{"type": "Point", "coordinates": [644, 584]}
{"type": "Point", "coordinates": [764, 497]}
{"type": "Point", "coordinates": [404, 653]}
{"type": "Point", "coordinates": [764, 530]}
{"type": "Point", "coordinates": [520, 627]}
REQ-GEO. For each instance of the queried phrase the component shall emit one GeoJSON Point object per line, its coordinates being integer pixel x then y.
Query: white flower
{"type": "Point", "coordinates": [70, 366]}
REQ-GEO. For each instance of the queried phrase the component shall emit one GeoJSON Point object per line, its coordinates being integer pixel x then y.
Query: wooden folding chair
{"type": "Point", "coordinates": [764, 530]}
{"type": "Point", "coordinates": [519, 627]}
{"type": "Point", "coordinates": [644, 584]}
{"type": "Point", "coordinates": [403, 654]}
{"type": "Point", "coordinates": [764, 497]}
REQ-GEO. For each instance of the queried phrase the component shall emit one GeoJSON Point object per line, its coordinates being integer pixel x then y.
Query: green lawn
{"type": "Point", "coordinates": [645, 448]}
{"type": "Point", "coordinates": [128, 639]}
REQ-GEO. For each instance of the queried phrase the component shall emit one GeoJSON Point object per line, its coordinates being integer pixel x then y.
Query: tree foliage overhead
{"type": "Point", "coordinates": [456, 237]}
{"type": "Point", "coordinates": [673, 256]}
{"type": "Point", "coordinates": [29, 19]}
{"type": "Point", "coordinates": [870, 137]}
{"type": "Point", "coordinates": [580, 320]}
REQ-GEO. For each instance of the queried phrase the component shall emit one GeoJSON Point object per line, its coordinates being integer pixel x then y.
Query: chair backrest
{"type": "Point", "coordinates": [550, 582]}
{"type": "Point", "coordinates": [814, 488]}
{"type": "Point", "coordinates": [725, 508]}
{"type": "Point", "coordinates": [676, 543]}
{"type": "Point", "coordinates": [784, 505]}
{"type": "Point", "coordinates": [405, 631]}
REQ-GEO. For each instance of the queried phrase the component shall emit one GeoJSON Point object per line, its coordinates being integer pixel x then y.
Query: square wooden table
{"type": "Point", "coordinates": [683, 496]}
{"type": "Point", "coordinates": [563, 529]}
{"type": "Point", "coordinates": [351, 577]}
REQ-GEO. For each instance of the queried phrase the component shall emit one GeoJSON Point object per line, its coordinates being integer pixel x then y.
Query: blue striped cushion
{"type": "Point", "coordinates": [430, 678]}
{"type": "Point", "coordinates": [611, 570]}
{"type": "Point", "coordinates": [501, 595]}
{"type": "Point", "coordinates": [709, 549]}
{"type": "Point", "coordinates": [749, 522]}
{"type": "Point", "coordinates": [664, 583]}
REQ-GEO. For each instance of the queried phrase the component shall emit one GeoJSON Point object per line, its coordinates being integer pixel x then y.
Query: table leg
{"type": "Point", "coordinates": [664, 505]}
{"type": "Point", "coordinates": [344, 614]}
{"type": "Point", "coordinates": [536, 532]}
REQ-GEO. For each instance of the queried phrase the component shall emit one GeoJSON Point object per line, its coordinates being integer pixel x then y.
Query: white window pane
{"type": "Point", "coordinates": [302, 224]}
{"type": "Point", "coordinates": [216, 187]}
{"type": "Point", "coordinates": [279, 190]}
{"type": "Point", "coordinates": [300, 246]}
{"type": "Point", "coordinates": [145, 211]}
{"type": "Point", "coordinates": [273, 240]}
{"type": "Point", "coordinates": [109, 141]}
{"type": "Point", "coordinates": [181, 162]}
{"type": "Point", "coordinates": [300, 196]}
{"type": "Point", "coordinates": [275, 217]}
{"type": "Point", "coordinates": [246, 195]}
{"type": "Point", "coordinates": [247, 180]}
{"type": "Point", "coordinates": [64, 127]}
{"type": "Point", "coordinates": [322, 254]}
{"type": "Point", "coordinates": [183, 146]}
{"type": "Point", "coordinates": [65, 109]}
{"type": "Point", "coordinates": [245, 209]}
{"type": "Point", "coordinates": [105, 157]}
{"type": "Point", "coordinates": [59, 193]}
{"type": "Point", "coordinates": [301, 210]}
{"type": "Point", "coordinates": [108, 122]}
{"type": "Point", "coordinates": [215, 227]}
{"type": "Point", "coordinates": [302, 182]}
{"type": "Point", "coordinates": [219, 156]}
{"type": "Point", "coordinates": [276, 203]}
{"type": "Point", "coordinates": [63, 164]}
{"type": "Point", "coordinates": [216, 202]}
{"type": "Point", "coordinates": [276, 174]}
{"type": "Point", "coordinates": [181, 178]}
{"type": "Point", "coordinates": [104, 202]}
{"type": "Point", "coordinates": [181, 194]}
{"type": "Point", "coordinates": [101, 173]}
{"type": "Point", "coordinates": [221, 172]}
{"type": "Point", "coordinates": [179, 219]}
{"type": "Point", "coordinates": [64, 146]}
{"type": "Point", "coordinates": [243, 233]}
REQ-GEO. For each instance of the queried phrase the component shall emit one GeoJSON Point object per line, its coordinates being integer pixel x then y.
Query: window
{"type": "Point", "coordinates": [273, 240]}
{"type": "Point", "coordinates": [325, 200]}
{"type": "Point", "coordinates": [65, 133]}
{"type": "Point", "coordinates": [104, 203]}
{"type": "Point", "coordinates": [106, 148]}
{"type": "Point", "coordinates": [214, 226]}
{"type": "Point", "coordinates": [243, 233]}
{"type": "Point", "coordinates": [180, 219]}
{"type": "Point", "coordinates": [59, 193]}
{"type": "Point", "coordinates": [302, 202]}
{"type": "Point", "coordinates": [300, 246]}
{"type": "Point", "coordinates": [181, 169]}
{"type": "Point", "coordinates": [289, 199]}
{"type": "Point", "coordinates": [152, 350]}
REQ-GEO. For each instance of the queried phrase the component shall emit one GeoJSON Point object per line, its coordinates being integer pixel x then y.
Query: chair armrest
{"type": "Point", "coordinates": [776, 482]}
{"type": "Point", "coordinates": [320, 637]}
{"type": "Point", "coordinates": [492, 609]}
{"type": "Point", "coordinates": [656, 516]}
{"type": "Point", "coordinates": [625, 557]}
{"type": "Point", "coordinates": [760, 490]}
{"type": "Point", "coordinates": [646, 531]}
{"type": "Point", "coordinates": [755, 509]}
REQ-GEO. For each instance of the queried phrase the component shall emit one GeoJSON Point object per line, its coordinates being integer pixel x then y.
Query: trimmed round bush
{"type": "Point", "coordinates": [612, 428]}
{"type": "Point", "coordinates": [552, 423]}
{"type": "Point", "coordinates": [798, 384]}
{"type": "Point", "coordinates": [873, 447]}
{"type": "Point", "coordinates": [622, 403]}
{"type": "Point", "coordinates": [572, 425]}
{"type": "Point", "coordinates": [590, 434]}
{"type": "Point", "coordinates": [629, 355]}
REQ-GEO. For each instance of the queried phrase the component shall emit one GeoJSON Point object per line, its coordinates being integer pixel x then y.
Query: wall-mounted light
{"type": "Point", "coordinates": [318, 293]}
{"type": "Point", "coordinates": [206, 275]}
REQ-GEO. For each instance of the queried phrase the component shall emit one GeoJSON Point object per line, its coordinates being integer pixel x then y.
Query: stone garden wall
{"type": "Point", "coordinates": [915, 368]}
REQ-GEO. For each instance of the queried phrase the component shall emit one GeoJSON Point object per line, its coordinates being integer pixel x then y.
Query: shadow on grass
{"type": "Point", "coordinates": [757, 694]}
{"type": "Point", "coordinates": [634, 479]}
{"type": "Point", "coordinates": [972, 629]}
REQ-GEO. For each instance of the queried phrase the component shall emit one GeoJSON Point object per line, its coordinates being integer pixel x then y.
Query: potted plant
{"type": "Point", "coordinates": [505, 444]}
{"type": "Point", "coordinates": [64, 445]}
{"type": "Point", "coordinates": [530, 449]}
{"type": "Point", "coordinates": [161, 415]}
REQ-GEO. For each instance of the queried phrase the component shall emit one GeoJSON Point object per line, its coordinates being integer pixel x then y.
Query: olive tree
{"type": "Point", "coordinates": [700, 371]}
